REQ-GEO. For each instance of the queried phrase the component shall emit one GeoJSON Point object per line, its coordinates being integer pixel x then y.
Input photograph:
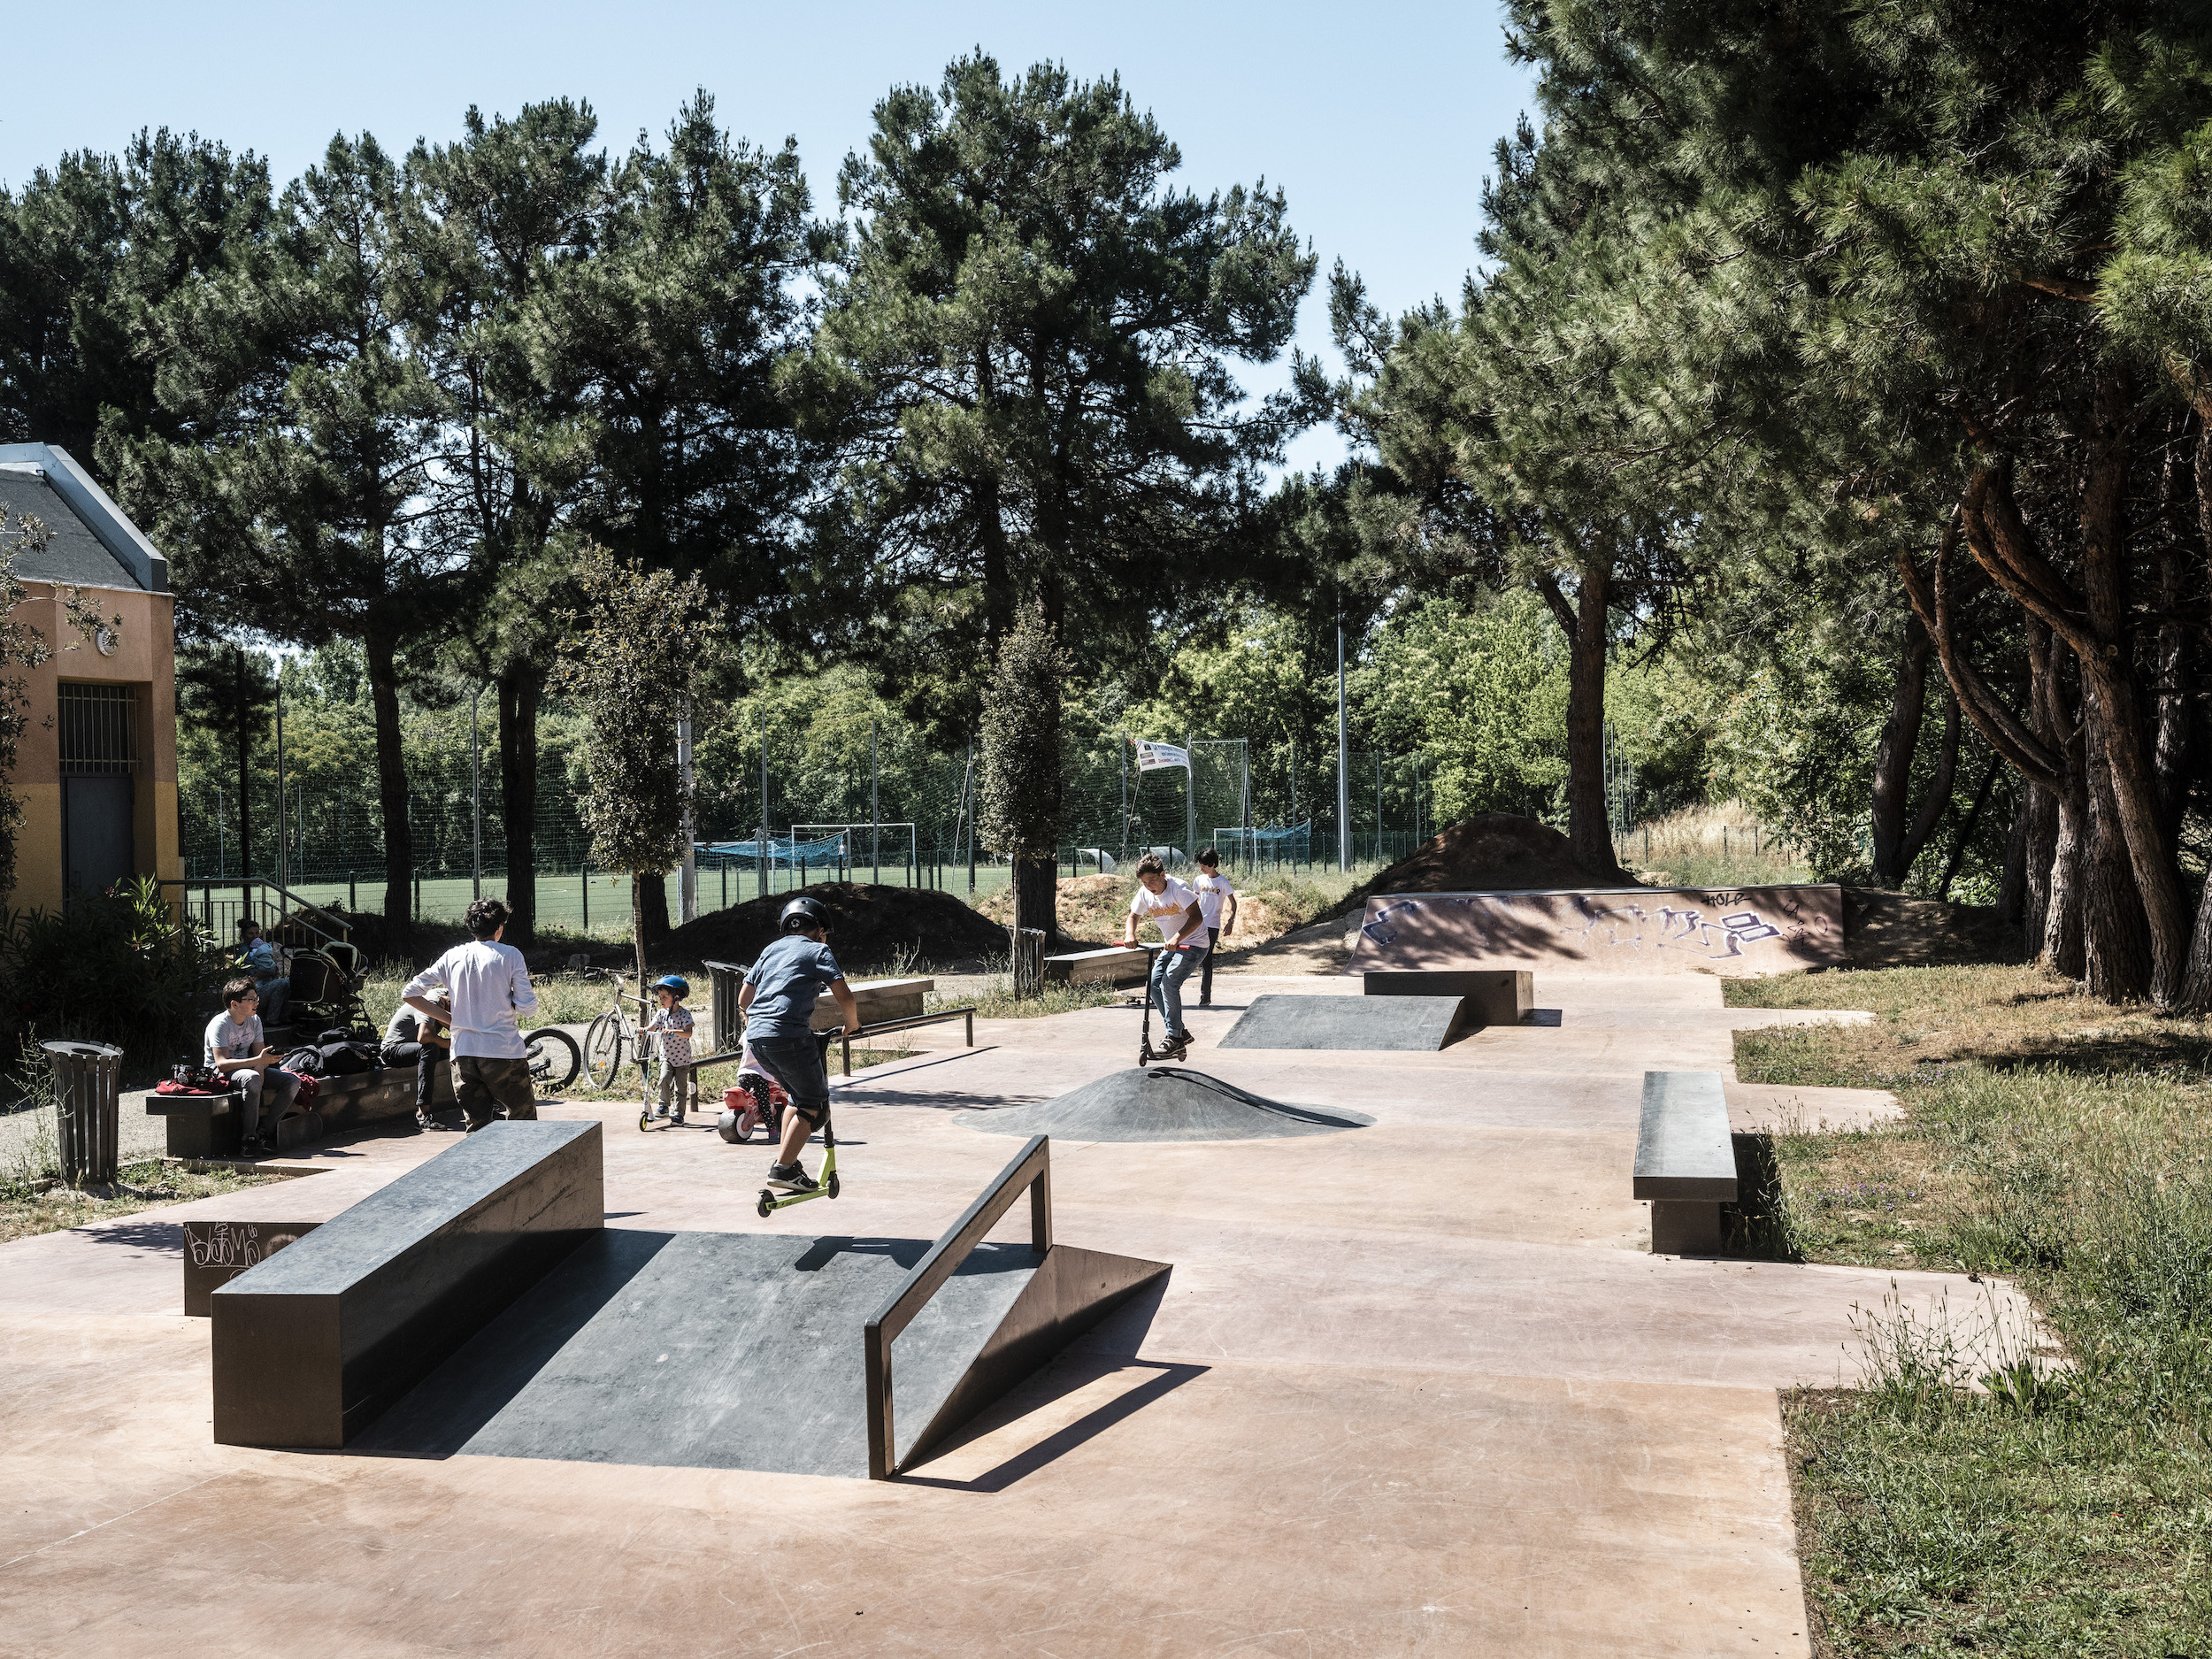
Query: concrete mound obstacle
{"type": "Point", "coordinates": [1167, 1103]}
{"type": "Point", "coordinates": [1406, 1024]}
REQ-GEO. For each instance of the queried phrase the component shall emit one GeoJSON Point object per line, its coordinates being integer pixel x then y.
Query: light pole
{"type": "Point", "coordinates": [875, 799]}
{"type": "Point", "coordinates": [687, 885]}
{"type": "Point", "coordinates": [284, 863]}
{"type": "Point", "coordinates": [1343, 755]}
{"type": "Point", "coordinates": [476, 801]}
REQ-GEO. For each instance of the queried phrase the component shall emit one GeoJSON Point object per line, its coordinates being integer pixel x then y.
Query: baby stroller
{"type": "Point", "coordinates": [326, 989]}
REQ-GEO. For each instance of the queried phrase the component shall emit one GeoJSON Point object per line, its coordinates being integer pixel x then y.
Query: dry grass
{"type": "Point", "coordinates": [1269, 903]}
{"type": "Point", "coordinates": [24, 1210]}
{"type": "Point", "coordinates": [1718, 845]}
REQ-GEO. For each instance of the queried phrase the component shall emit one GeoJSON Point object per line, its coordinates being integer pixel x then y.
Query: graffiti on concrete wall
{"type": "Point", "coordinates": [1673, 927]}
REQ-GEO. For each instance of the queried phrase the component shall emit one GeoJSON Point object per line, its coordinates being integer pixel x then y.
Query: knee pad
{"type": "Point", "coordinates": [814, 1115]}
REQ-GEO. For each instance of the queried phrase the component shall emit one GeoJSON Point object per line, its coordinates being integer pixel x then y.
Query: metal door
{"type": "Point", "coordinates": [95, 831]}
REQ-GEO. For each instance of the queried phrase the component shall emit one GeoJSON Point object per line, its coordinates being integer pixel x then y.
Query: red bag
{"type": "Point", "coordinates": [170, 1085]}
{"type": "Point", "coordinates": [309, 1088]}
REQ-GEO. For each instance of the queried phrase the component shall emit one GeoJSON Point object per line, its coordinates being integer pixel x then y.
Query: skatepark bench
{"type": "Point", "coordinates": [1685, 1163]}
{"type": "Point", "coordinates": [1108, 965]}
{"type": "Point", "coordinates": [310, 1343]}
{"type": "Point", "coordinates": [210, 1126]}
{"type": "Point", "coordinates": [876, 1000]}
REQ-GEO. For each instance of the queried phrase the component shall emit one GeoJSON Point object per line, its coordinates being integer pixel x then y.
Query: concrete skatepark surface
{"type": "Point", "coordinates": [1166, 1102]}
{"type": "Point", "coordinates": [1415, 1389]}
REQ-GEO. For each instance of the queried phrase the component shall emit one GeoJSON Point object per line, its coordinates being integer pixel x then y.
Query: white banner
{"type": "Point", "coordinates": [1159, 756]}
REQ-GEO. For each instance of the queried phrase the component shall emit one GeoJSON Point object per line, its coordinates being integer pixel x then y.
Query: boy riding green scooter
{"type": "Point", "coordinates": [778, 1002]}
{"type": "Point", "coordinates": [1173, 906]}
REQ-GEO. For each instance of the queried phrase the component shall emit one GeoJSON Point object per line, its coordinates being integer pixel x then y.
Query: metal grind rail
{"type": "Point", "coordinates": [1032, 1169]}
{"type": "Point", "coordinates": [861, 1035]}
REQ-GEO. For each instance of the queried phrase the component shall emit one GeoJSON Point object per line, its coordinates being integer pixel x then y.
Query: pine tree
{"type": "Point", "coordinates": [1025, 353]}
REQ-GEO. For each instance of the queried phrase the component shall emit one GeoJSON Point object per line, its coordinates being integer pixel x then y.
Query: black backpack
{"type": "Point", "coordinates": [345, 1058]}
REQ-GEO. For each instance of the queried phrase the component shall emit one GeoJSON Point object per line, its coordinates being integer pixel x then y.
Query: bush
{"type": "Point", "coordinates": [111, 968]}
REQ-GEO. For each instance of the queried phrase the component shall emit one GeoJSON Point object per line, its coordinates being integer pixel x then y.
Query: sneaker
{"type": "Point", "coordinates": [790, 1177]}
{"type": "Point", "coordinates": [660, 1111]}
{"type": "Point", "coordinates": [1177, 1047]}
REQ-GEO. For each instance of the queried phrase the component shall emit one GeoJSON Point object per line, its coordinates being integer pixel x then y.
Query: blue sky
{"type": "Point", "coordinates": [1378, 122]}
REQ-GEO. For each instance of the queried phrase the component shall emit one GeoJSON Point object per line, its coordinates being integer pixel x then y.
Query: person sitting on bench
{"type": "Point", "coordinates": [234, 1047]}
{"type": "Point", "coordinates": [257, 956]}
{"type": "Point", "coordinates": [419, 1041]}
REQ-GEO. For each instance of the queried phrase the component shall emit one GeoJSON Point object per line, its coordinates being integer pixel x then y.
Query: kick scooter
{"type": "Point", "coordinates": [1146, 1053]}
{"type": "Point", "coordinates": [771, 1200]}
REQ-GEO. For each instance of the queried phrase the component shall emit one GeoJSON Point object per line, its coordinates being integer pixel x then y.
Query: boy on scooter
{"type": "Point", "coordinates": [778, 1003]}
{"type": "Point", "coordinates": [1161, 899]}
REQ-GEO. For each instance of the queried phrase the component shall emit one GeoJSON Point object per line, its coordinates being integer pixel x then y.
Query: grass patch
{"type": "Point", "coordinates": [1270, 901]}
{"type": "Point", "coordinates": [995, 999]}
{"type": "Point", "coordinates": [32, 1206]}
{"type": "Point", "coordinates": [2057, 1499]}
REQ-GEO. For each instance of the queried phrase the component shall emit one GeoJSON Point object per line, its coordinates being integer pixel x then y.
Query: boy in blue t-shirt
{"type": "Point", "coordinates": [778, 1003]}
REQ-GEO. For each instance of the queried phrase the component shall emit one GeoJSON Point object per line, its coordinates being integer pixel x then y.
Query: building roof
{"type": "Point", "coordinates": [94, 544]}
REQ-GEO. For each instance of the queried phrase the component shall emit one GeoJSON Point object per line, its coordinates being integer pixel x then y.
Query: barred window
{"type": "Point", "coordinates": [99, 729]}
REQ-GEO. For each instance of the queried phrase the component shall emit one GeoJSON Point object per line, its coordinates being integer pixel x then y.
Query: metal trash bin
{"type": "Point", "coordinates": [1029, 960]}
{"type": "Point", "coordinates": [86, 1093]}
{"type": "Point", "coordinates": [728, 1024]}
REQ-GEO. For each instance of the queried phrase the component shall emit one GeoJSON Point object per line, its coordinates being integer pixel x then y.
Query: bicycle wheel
{"type": "Point", "coordinates": [554, 1059]}
{"type": "Point", "coordinates": [603, 1050]}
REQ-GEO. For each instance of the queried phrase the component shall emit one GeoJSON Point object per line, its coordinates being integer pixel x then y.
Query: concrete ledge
{"type": "Point", "coordinates": [312, 1343]}
{"type": "Point", "coordinates": [878, 1000]}
{"type": "Point", "coordinates": [1491, 996]}
{"type": "Point", "coordinates": [1685, 1163]}
{"type": "Point", "coordinates": [1108, 965]}
{"type": "Point", "coordinates": [210, 1126]}
{"type": "Point", "coordinates": [215, 1252]}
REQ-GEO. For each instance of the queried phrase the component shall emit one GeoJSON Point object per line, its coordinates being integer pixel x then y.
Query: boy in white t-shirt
{"type": "Point", "coordinates": [1214, 890]}
{"type": "Point", "coordinates": [1173, 907]}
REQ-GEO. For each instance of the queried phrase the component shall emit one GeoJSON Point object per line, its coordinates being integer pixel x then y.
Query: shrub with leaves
{"type": "Point", "coordinates": [629, 666]}
{"type": "Point", "coordinates": [1017, 794]}
{"type": "Point", "coordinates": [112, 968]}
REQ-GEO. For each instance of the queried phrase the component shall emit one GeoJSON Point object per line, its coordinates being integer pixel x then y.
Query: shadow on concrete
{"type": "Point", "coordinates": [1108, 1350]}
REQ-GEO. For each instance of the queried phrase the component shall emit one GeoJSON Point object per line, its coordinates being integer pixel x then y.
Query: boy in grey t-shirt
{"type": "Point", "coordinates": [234, 1047]}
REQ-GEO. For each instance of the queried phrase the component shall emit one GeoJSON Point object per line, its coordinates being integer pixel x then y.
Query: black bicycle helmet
{"type": "Point", "coordinates": [675, 982]}
{"type": "Point", "coordinates": [804, 912]}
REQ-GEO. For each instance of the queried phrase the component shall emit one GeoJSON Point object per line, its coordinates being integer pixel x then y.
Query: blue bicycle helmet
{"type": "Point", "coordinates": [675, 982]}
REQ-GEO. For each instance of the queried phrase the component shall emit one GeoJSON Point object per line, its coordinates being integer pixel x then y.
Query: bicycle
{"type": "Point", "coordinates": [553, 1057]}
{"type": "Point", "coordinates": [613, 1032]}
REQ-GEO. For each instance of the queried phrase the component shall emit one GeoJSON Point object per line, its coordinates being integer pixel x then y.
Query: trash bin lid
{"type": "Point", "coordinates": [87, 1050]}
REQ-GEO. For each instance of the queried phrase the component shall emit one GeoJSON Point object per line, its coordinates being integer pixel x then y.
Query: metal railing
{"type": "Point", "coordinates": [221, 916]}
{"type": "Point", "coordinates": [851, 1038]}
{"type": "Point", "coordinates": [1032, 1169]}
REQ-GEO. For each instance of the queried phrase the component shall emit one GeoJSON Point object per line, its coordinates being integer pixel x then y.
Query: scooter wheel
{"type": "Point", "coordinates": [645, 1120]}
{"type": "Point", "coordinates": [830, 1186]}
{"type": "Point", "coordinates": [765, 1205]}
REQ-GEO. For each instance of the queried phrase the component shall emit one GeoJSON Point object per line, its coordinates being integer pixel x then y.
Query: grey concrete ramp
{"type": "Point", "coordinates": [1406, 1024]}
{"type": "Point", "coordinates": [1168, 1104]}
{"type": "Point", "coordinates": [713, 1350]}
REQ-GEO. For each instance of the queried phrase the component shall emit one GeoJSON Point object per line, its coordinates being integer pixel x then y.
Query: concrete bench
{"type": "Point", "coordinates": [1685, 1164]}
{"type": "Point", "coordinates": [1489, 996]}
{"type": "Point", "coordinates": [880, 1000]}
{"type": "Point", "coordinates": [1109, 965]}
{"type": "Point", "coordinates": [210, 1126]}
{"type": "Point", "coordinates": [215, 1252]}
{"type": "Point", "coordinates": [312, 1343]}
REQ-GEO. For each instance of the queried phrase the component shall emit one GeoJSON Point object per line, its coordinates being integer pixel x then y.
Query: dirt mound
{"type": "Point", "coordinates": [870, 926]}
{"type": "Point", "coordinates": [1492, 852]}
{"type": "Point", "coordinates": [1893, 930]}
{"type": "Point", "coordinates": [1092, 910]}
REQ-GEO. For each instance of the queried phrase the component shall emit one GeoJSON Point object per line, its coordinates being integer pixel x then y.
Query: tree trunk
{"type": "Point", "coordinates": [1938, 801]}
{"type": "Point", "coordinates": [2062, 946]}
{"type": "Point", "coordinates": [2012, 890]}
{"type": "Point", "coordinates": [2112, 710]}
{"type": "Point", "coordinates": [1589, 829]}
{"type": "Point", "coordinates": [1892, 758]}
{"type": "Point", "coordinates": [2197, 988]}
{"type": "Point", "coordinates": [391, 789]}
{"type": "Point", "coordinates": [1965, 841]}
{"type": "Point", "coordinates": [639, 886]}
{"type": "Point", "coordinates": [652, 909]}
{"type": "Point", "coordinates": [2116, 932]}
{"type": "Point", "coordinates": [1036, 883]}
{"type": "Point", "coordinates": [2169, 706]}
{"type": "Point", "coordinates": [519, 797]}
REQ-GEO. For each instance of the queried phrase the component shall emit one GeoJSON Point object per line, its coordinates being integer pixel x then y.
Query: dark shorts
{"type": "Point", "coordinates": [482, 1084]}
{"type": "Point", "coordinates": [796, 1063]}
